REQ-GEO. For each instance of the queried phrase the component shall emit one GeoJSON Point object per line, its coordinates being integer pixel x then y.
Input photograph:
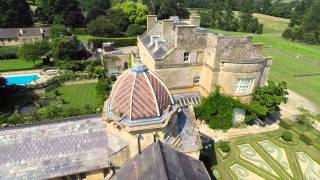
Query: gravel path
{"type": "Point", "coordinates": [295, 100]}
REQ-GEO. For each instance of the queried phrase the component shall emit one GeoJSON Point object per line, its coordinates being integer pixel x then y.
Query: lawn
{"type": "Point", "coordinates": [269, 157]}
{"type": "Point", "coordinates": [78, 95]}
{"type": "Point", "coordinates": [18, 64]}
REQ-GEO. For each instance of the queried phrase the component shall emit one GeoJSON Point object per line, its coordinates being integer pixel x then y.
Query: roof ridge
{"type": "Point", "coordinates": [163, 160]}
{"type": "Point", "coordinates": [131, 96]}
{"type": "Point", "coordinates": [153, 93]}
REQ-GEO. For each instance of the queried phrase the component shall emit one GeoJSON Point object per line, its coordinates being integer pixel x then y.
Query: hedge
{"type": "Point", "coordinates": [8, 53]}
{"type": "Point", "coordinates": [285, 124]}
{"type": "Point", "coordinates": [79, 31]}
{"type": "Point", "coordinates": [306, 139]}
{"type": "Point", "coordinates": [118, 42]}
{"type": "Point", "coordinates": [287, 136]}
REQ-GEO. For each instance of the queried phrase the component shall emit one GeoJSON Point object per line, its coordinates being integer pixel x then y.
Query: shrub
{"type": "Point", "coordinates": [224, 146]}
{"type": "Point", "coordinates": [287, 136]}
{"type": "Point", "coordinates": [118, 42]}
{"type": "Point", "coordinates": [217, 110]}
{"type": "Point", "coordinates": [285, 124]}
{"type": "Point", "coordinates": [306, 139]}
{"type": "Point", "coordinates": [8, 53]}
{"type": "Point", "coordinates": [134, 30]}
{"type": "Point", "coordinates": [79, 31]}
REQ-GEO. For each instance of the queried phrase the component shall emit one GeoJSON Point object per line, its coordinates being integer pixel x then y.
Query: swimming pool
{"type": "Point", "coordinates": [22, 79]}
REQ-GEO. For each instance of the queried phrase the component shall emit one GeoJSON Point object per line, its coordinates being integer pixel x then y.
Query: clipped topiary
{"type": "Point", "coordinates": [224, 146]}
{"type": "Point", "coordinates": [287, 136]}
{"type": "Point", "coordinates": [306, 139]}
{"type": "Point", "coordinates": [285, 124]}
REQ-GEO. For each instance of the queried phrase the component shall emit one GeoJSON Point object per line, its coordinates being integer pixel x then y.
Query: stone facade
{"type": "Point", "coordinates": [19, 36]}
{"type": "Point", "coordinates": [187, 58]}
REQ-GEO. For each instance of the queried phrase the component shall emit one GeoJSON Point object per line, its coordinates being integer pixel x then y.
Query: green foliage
{"type": "Point", "coordinates": [306, 139]}
{"type": "Point", "coordinates": [305, 22]}
{"type": "Point", "coordinates": [306, 118]}
{"type": "Point", "coordinates": [8, 53]}
{"type": "Point", "coordinates": [134, 30]}
{"type": "Point", "coordinates": [166, 8]}
{"type": "Point", "coordinates": [287, 136]}
{"type": "Point", "coordinates": [33, 51]}
{"type": "Point", "coordinates": [15, 14]}
{"type": "Point", "coordinates": [118, 42]}
{"type": "Point", "coordinates": [135, 11]}
{"type": "Point", "coordinates": [271, 96]}
{"type": "Point", "coordinates": [57, 111]}
{"type": "Point", "coordinates": [103, 89]}
{"type": "Point", "coordinates": [67, 48]}
{"type": "Point", "coordinates": [102, 26]}
{"type": "Point", "coordinates": [224, 146]}
{"type": "Point", "coordinates": [56, 31]}
{"type": "Point", "coordinates": [79, 31]}
{"type": "Point", "coordinates": [217, 110]}
{"type": "Point", "coordinates": [114, 23]}
{"type": "Point", "coordinates": [285, 124]}
{"type": "Point", "coordinates": [67, 12]}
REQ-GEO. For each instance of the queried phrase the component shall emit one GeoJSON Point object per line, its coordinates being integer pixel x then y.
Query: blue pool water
{"type": "Point", "coordinates": [22, 80]}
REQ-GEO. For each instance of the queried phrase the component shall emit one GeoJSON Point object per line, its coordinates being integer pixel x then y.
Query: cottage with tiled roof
{"type": "Point", "coordinates": [19, 36]}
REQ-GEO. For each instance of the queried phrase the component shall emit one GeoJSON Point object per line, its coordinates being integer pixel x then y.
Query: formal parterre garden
{"type": "Point", "coordinates": [268, 156]}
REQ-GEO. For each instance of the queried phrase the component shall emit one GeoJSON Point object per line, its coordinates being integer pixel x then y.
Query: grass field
{"type": "Point", "coordinates": [267, 157]}
{"type": "Point", "coordinates": [18, 64]}
{"type": "Point", "coordinates": [78, 95]}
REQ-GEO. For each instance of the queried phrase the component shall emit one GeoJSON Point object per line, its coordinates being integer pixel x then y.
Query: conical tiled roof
{"type": "Point", "coordinates": [139, 94]}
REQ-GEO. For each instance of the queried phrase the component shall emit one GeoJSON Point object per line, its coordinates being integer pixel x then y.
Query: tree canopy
{"type": "Point", "coordinates": [136, 12]}
{"type": "Point", "coordinates": [69, 11]}
{"type": "Point", "coordinates": [305, 22]}
{"type": "Point", "coordinates": [15, 14]}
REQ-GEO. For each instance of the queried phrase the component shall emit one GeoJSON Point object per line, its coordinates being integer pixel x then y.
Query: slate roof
{"type": "Point", "coordinates": [139, 94]}
{"type": "Point", "coordinates": [161, 162]}
{"type": "Point", "coordinates": [56, 149]}
{"type": "Point", "coordinates": [14, 33]}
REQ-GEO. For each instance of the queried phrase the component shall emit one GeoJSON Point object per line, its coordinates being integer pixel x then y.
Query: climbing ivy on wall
{"type": "Point", "coordinates": [217, 110]}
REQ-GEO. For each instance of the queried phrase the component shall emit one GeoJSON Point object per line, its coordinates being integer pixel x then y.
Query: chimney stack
{"type": "Point", "coordinates": [195, 19]}
{"type": "Point", "coordinates": [167, 25]}
{"type": "Point", "coordinates": [151, 21]}
{"type": "Point", "coordinates": [21, 31]}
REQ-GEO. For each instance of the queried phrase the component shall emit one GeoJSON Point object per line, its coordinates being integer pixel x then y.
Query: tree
{"type": "Point", "coordinates": [67, 48]}
{"type": "Point", "coordinates": [74, 19]}
{"type": "Point", "coordinates": [95, 8]}
{"type": "Point", "coordinates": [119, 19]}
{"type": "Point", "coordinates": [53, 8]}
{"type": "Point", "coordinates": [166, 8]}
{"type": "Point", "coordinates": [57, 31]}
{"type": "Point", "coordinates": [102, 26]}
{"type": "Point", "coordinates": [15, 14]}
{"type": "Point", "coordinates": [134, 30]}
{"type": "Point", "coordinates": [271, 96]}
{"type": "Point", "coordinates": [248, 23]}
{"type": "Point", "coordinates": [136, 12]}
{"type": "Point", "coordinates": [33, 51]}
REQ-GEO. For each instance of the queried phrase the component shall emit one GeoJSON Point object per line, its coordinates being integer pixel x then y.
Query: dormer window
{"type": "Point", "coordinates": [186, 57]}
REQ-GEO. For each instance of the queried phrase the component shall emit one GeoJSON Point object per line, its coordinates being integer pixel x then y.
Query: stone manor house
{"type": "Point", "coordinates": [148, 128]}
{"type": "Point", "coordinates": [188, 58]}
